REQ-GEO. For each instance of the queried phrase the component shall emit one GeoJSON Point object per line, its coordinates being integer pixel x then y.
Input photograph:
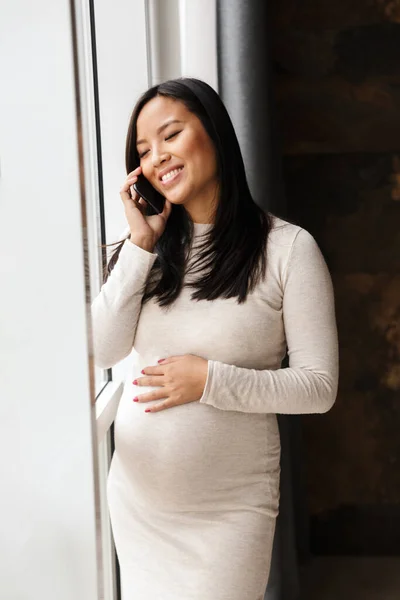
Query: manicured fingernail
{"type": "Point", "coordinates": [136, 399]}
{"type": "Point", "coordinates": [142, 371]}
{"type": "Point", "coordinates": [161, 360]}
{"type": "Point", "coordinates": [147, 410]}
{"type": "Point", "coordinates": [134, 382]}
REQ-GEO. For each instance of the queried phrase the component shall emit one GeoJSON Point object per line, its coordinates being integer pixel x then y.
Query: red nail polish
{"type": "Point", "coordinates": [134, 382]}
{"type": "Point", "coordinates": [161, 360]}
{"type": "Point", "coordinates": [147, 410]}
{"type": "Point", "coordinates": [136, 400]}
{"type": "Point", "coordinates": [142, 371]}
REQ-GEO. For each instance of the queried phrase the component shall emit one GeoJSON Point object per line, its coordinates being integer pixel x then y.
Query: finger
{"type": "Point", "coordinates": [151, 396]}
{"type": "Point", "coordinates": [136, 172]}
{"type": "Point", "coordinates": [128, 194]}
{"type": "Point", "coordinates": [153, 370]}
{"type": "Point", "coordinates": [130, 201]}
{"type": "Point", "coordinates": [127, 184]}
{"type": "Point", "coordinates": [138, 199]}
{"type": "Point", "coordinates": [131, 179]}
{"type": "Point", "coordinates": [158, 407]}
{"type": "Point", "coordinates": [139, 206]}
{"type": "Point", "coordinates": [167, 209]}
{"type": "Point", "coordinates": [171, 359]}
{"type": "Point", "coordinates": [142, 202]}
{"type": "Point", "coordinates": [139, 203]}
{"type": "Point", "coordinates": [154, 381]}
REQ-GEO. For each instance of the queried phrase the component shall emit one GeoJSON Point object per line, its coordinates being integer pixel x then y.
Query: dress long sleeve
{"type": "Point", "coordinates": [116, 310]}
{"type": "Point", "coordinates": [309, 384]}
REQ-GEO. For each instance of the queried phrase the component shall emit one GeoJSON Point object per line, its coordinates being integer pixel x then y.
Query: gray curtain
{"type": "Point", "coordinates": [244, 75]}
{"type": "Point", "coordinates": [244, 79]}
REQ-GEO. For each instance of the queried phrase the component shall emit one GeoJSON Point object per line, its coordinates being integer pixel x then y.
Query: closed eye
{"type": "Point", "coordinates": [172, 136]}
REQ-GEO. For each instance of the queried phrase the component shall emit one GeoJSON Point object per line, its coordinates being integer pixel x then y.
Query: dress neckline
{"type": "Point", "coordinates": [200, 228]}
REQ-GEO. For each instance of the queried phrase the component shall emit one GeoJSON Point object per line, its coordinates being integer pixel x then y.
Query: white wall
{"type": "Point", "coordinates": [47, 531]}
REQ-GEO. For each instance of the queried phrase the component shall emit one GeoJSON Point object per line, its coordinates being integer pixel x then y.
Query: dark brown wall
{"type": "Point", "coordinates": [337, 83]}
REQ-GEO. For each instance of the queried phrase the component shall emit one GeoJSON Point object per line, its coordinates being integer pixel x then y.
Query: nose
{"type": "Point", "coordinates": [158, 158]}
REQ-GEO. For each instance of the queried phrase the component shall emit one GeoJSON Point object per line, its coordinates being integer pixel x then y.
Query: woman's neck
{"type": "Point", "coordinates": [202, 208]}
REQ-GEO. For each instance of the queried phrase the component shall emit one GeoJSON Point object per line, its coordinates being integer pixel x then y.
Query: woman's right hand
{"type": "Point", "coordinates": [145, 231]}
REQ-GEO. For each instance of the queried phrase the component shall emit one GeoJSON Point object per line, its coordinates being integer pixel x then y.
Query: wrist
{"type": "Point", "coordinates": [143, 243]}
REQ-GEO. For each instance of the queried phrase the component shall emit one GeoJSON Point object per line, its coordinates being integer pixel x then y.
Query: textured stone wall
{"type": "Point", "coordinates": [337, 84]}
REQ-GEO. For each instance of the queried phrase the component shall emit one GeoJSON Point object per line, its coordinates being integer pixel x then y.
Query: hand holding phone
{"type": "Point", "coordinates": [146, 191]}
{"type": "Point", "coordinates": [145, 228]}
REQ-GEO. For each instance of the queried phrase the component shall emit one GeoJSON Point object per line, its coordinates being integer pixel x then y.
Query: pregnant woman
{"type": "Point", "coordinates": [209, 294]}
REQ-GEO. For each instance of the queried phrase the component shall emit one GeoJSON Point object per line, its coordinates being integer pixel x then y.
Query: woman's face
{"type": "Point", "coordinates": [176, 155]}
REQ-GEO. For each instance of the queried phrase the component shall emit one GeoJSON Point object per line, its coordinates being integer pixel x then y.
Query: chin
{"type": "Point", "coordinates": [177, 202]}
{"type": "Point", "coordinates": [176, 199]}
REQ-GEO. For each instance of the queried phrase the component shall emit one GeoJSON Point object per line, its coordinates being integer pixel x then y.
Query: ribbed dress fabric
{"type": "Point", "coordinates": [193, 490]}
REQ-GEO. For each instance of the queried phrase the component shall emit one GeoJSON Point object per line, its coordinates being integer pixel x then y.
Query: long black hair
{"type": "Point", "coordinates": [232, 257]}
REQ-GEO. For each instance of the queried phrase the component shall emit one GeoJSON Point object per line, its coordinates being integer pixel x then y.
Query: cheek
{"type": "Point", "coordinates": [147, 169]}
{"type": "Point", "coordinates": [202, 155]}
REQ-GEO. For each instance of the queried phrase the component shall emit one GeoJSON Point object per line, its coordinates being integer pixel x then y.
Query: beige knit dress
{"type": "Point", "coordinates": [194, 490]}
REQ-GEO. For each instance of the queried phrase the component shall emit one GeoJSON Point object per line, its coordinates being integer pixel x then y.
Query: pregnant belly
{"type": "Point", "coordinates": [196, 455]}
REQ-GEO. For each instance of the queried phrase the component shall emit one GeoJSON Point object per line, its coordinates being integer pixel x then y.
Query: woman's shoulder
{"type": "Point", "coordinates": [288, 242]}
{"type": "Point", "coordinates": [283, 233]}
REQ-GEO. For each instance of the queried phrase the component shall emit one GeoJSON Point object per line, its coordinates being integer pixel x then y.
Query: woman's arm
{"type": "Point", "coordinates": [309, 385]}
{"type": "Point", "coordinates": [116, 310]}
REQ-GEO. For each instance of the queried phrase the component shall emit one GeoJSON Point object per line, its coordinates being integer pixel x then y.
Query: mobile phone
{"type": "Point", "coordinates": [154, 199]}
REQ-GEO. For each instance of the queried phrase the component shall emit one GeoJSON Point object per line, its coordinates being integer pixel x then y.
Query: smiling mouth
{"type": "Point", "coordinates": [171, 176]}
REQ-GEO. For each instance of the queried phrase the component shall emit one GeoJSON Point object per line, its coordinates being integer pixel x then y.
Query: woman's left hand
{"type": "Point", "coordinates": [180, 379]}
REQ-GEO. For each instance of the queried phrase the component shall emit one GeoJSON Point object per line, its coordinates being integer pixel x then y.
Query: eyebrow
{"type": "Point", "coordinates": [160, 129]}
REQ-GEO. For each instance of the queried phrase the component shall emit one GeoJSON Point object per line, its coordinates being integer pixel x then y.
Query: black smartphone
{"type": "Point", "coordinates": [154, 199]}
